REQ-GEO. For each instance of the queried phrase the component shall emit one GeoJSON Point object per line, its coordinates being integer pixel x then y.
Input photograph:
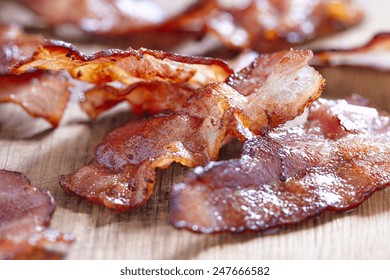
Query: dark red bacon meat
{"type": "Point", "coordinates": [334, 161]}
{"type": "Point", "coordinates": [25, 214]}
{"type": "Point", "coordinates": [276, 88]}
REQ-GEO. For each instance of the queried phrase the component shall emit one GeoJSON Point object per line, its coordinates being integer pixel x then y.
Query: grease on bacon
{"type": "Point", "coordinates": [334, 161]}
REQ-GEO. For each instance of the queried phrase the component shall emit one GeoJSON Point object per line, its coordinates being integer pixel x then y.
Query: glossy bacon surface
{"type": "Point", "coordinates": [122, 174]}
{"type": "Point", "coordinates": [334, 161]}
{"type": "Point", "coordinates": [25, 214]}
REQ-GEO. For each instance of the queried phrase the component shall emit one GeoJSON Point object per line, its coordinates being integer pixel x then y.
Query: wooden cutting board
{"type": "Point", "coordinates": [43, 154]}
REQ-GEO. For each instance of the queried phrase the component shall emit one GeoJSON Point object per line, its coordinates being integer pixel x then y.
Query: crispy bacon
{"type": "Point", "coordinates": [149, 80]}
{"type": "Point", "coordinates": [125, 67]}
{"type": "Point", "coordinates": [122, 174]}
{"type": "Point", "coordinates": [268, 25]}
{"type": "Point", "coordinates": [374, 54]}
{"type": "Point", "coordinates": [25, 214]}
{"type": "Point", "coordinates": [334, 161]}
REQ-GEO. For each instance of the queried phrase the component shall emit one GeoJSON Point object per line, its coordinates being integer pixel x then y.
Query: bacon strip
{"type": "Point", "coordinates": [41, 94]}
{"type": "Point", "coordinates": [142, 77]}
{"type": "Point", "coordinates": [125, 67]}
{"type": "Point", "coordinates": [268, 25]}
{"type": "Point", "coordinates": [122, 174]}
{"type": "Point", "coordinates": [335, 161]}
{"type": "Point", "coordinates": [25, 214]}
{"type": "Point", "coordinates": [374, 54]}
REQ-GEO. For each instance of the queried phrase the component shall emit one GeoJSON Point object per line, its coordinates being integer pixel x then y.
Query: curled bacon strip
{"type": "Point", "coordinates": [375, 54]}
{"type": "Point", "coordinates": [25, 214]}
{"type": "Point", "coordinates": [268, 25]}
{"type": "Point", "coordinates": [121, 176]}
{"type": "Point", "coordinates": [149, 80]}
{"type": "Point", "coordinates": [334, 161]}
{"type": "Point", "coordinates": [41, 94]}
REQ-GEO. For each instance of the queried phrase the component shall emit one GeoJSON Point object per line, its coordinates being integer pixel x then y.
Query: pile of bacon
{"type": "Point", "coordinates": [262, 25]}
{"type": "Point", "coordinates": [333, 161]}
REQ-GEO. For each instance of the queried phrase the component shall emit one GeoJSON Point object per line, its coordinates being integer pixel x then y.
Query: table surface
{"type": "Point", "coordinates": [43, 154]}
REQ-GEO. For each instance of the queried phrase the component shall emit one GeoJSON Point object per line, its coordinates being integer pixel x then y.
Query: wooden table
{"type": "Point", "coordinates": [43, 154]}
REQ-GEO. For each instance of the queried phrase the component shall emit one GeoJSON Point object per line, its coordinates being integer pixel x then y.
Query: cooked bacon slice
{"type": "Point", "coordinates": [375, 54]}
{"type": "Point", "coordinates": [334, 161]}
{"type": "Point", "coordinates": [149, 80]}
{"type": "Point", "coordinates": [25, 214]}
{"type": "Point", "coordinates": [109, 17]}
{"type": "Point", "coordinates": [122, 174]}
{"type": "Point", "coordinates": [125, 67]}
{"type": "Point", "coordinates": [268, 25]}
{"type": "Point", "coordinates": [41, 94]}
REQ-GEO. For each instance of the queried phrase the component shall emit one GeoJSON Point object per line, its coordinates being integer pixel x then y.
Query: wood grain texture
{"type": "Point", "coordinates": [43, 154]}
